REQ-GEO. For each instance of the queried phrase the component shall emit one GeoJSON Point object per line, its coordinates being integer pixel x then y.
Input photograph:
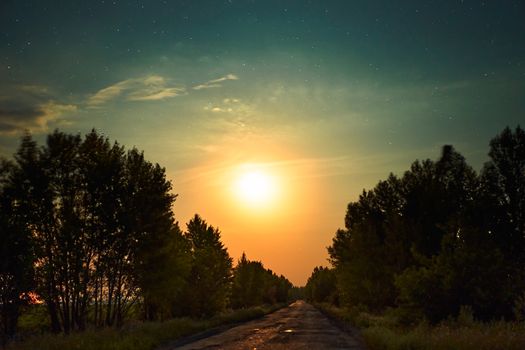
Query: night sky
{"type": "Point", "coordinates": [328, 97]}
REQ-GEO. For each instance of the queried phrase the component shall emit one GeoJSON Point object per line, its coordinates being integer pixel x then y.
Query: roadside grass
{"type": "Point", "coordinates": [498, 335]}
{"type": "Point", "coordinates": [386, 332]}
{"type": "Point", "coordinates": [33, 320]}
{"type": "Point", "coordinates": [139, 335]}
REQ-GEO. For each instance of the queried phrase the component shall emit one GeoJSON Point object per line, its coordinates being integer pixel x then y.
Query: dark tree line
{"type": "Point", "coordinates": [87, 228]}
{"type": "Point", "coordinates": [253, 284]}
{"type": "Point", "coordinates": [321, 286]}
{"type": "Point", "coordinates": [437, 238]}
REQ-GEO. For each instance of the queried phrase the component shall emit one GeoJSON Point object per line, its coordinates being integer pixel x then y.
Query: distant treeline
{"type": "Point", "coordinates": [87, 229]}
{"type": "Point", "coordinates": [439, 239]}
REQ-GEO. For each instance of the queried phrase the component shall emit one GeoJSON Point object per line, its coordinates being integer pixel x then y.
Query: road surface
{"type": "Point", "coordinates": [299, 326]}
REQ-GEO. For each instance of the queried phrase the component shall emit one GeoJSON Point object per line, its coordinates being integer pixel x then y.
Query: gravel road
{"type": "Point", "coordinates": [299, 326]}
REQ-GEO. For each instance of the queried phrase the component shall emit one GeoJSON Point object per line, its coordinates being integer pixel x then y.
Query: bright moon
{"type": "Point", "coordinates": [255, 187]}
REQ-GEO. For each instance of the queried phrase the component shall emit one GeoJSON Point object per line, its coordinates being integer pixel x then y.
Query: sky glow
{"type": "Point", "coordinates": [328, 97]}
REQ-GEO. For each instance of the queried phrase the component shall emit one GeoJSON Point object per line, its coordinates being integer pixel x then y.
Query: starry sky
{"type": "Point", "coordinates": [327, 96]}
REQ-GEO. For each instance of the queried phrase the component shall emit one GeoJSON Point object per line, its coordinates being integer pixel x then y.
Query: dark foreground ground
{"type": "Point", "coordinates": [299, 326]}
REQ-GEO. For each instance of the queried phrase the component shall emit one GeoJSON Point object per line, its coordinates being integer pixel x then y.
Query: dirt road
{"type": "Point", "coordinates": [299, 326]}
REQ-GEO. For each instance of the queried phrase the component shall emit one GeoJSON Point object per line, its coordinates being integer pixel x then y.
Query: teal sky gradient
{"type": "Point", "coordinates": [333, 94]}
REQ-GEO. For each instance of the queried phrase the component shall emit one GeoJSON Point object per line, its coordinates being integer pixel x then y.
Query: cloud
{"type": "Point", "coordinates": [159, 95]}
{"type": "Point", "coordinates": [31, 107]}
{"type": "Point", "coordinates": [297, 168]}
{"type": "Point", "coordinates": [206, 86]}
{"type": "Point", "coordinates": [148, 88]}
{"type": "Point", "coordinates": [36, 90]}
{"type": "Point", "coordinates": [18, 115]}
{"type": "Point", "coordinates": [230, 105]}
{"type": "Point", "coordinates": [106, 94]}
{"type": "Point", "coordinates": [219, 109]}
{"type": "Point", "coordinates": [215, 83]}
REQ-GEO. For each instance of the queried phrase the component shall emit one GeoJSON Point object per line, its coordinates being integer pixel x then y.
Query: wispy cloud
{"type": "Point", "coordinates": [305, 168]}
{"type": "Point", "coordinates": [35, 118]}
{"type": "Point", "coordinates": [230, 105]}
{"type": "Point", "coordinates": [218, 109]}
{"type": "Point", "coordinates": [37, 108]}
{"type": "Point", "coordinates": [295, 168]}
{"type": "Point", "coordinates": [156, 95]}
{"type": "Point", "coordinates": [215, 83]}
{"type": "Point", "coordinates": [148, 88]}
{"type": "Point", "coordinates": [31, 107]}
{"type": "Point", "coordinates": [108, 93]}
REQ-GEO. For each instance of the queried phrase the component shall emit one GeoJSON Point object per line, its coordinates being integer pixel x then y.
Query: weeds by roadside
{"type": "Point", "coordinates": [386, 332]}
{"type": "Point", "coordinates": [138, 336]}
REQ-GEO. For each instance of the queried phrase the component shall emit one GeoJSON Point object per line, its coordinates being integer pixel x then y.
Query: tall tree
{"type": "Point", "coordinates": [503, 185]}
{"type": "Point", "coordinates": [61, 158]}
{"type": "Point", "coordinates": [401, 224]}
{"type": "Point", "coordinates": [16, 254]}
{"type": "Point", "coordinates": [100, 219]}
{"type": "Point", "coordinates": [104, 190]}
{"type": "Point", "coordinates": [363, 252]}
{"type": "Point", "coordinates": [211, 269]}
{"type": "Point", "coordinates": [32, 184]}
{"type": "Point", "coordinates": [160, 254]}
{"type": "Point", "coordinates": [242, 283]}
{"type": "Point", "coordinates": [502, 205]}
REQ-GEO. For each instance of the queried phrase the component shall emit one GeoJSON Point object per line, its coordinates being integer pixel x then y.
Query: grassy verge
{"type": "Point", "coordinates": [385, 333]}
{"type": "Point", "coordinates": [139, 336]}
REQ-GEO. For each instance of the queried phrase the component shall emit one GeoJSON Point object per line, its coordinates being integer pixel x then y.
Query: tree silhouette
{"type": "Point", "coordinates": [253, 285]}
{"type": "Point", "coordinates": [438, 238]}
{"type": "Point", "coordinates": [16, 254]}
{"type": "Point", "coordinates": [211, 269]}
{"type": "Point", "coordinates": [87, 228]}
{"type": "Point", "coordinates": [503, 206]}
{"type": "Point", "coordinates": [100, 221]}
{"type": "Point", "coordinates": [322, 286]}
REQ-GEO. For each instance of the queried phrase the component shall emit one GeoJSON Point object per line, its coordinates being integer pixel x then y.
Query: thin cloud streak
{"type": "Point", "coordinates": [322, 167]}
{"type": "Point", "coordinates": [148, 88]}
{"type": "Point", "coordinates": [157, 95]}
{"type": "Point", "coordinates": [196, 173]}
{"type": "Point", "coordinates": [215, 83]}
{"type": "Point", "coordinates": [104, 95]}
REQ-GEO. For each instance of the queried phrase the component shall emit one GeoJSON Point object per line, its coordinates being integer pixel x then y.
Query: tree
{"type": "Point", "coordinates": [105, 197]}
{"type": "Point", "coordinates": [34, 196]}
{"type": "Point", "coordinates": [416, 239]}
{"type": "Point", "coordinates": [64, 245]}
{"type": "Point", "coordinates": [322, 286]}
{"type": "Point", "coordinates": [242, 283]}
{"type": "Point", "coordinates": [100, 219]}
{"type": "Point", "coordinates": [162, 271]}
{"type": "Point", "coordinates": [362, 253]}
{"type": "Point", "coordinates": [503, 180]}
{"type": "Point", "coordinates": [16, 255]}
{"type": "Point", "coordinates": [502, 206]}
{"type": "Point", "coordinates": [211, 269]}
{"type": "Point", "coordinates": [253, 285]}
{"type": "Point", "coordinates": [467, 272]}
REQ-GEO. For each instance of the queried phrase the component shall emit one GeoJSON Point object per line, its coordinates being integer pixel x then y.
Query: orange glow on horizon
{"type": "Point", "coordinates": [265, 203]}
